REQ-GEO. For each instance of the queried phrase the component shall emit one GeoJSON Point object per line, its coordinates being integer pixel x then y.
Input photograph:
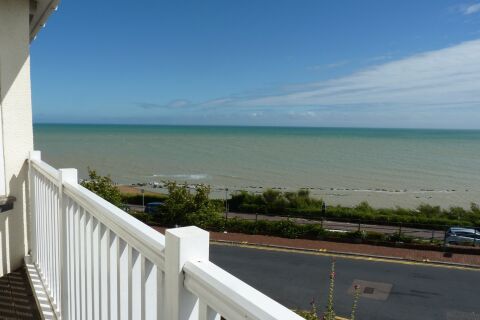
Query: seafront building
{"type": "Point", "coordinates": [85, 258]}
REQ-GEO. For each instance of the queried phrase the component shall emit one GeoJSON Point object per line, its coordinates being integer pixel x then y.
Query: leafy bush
{"type": "Point", "coordinates": [183, 207]}
{"type": "Point", "coordinates": [399, 237]}
{"type": "Point", "coordinates": [145, 218]}
{"type": "Point", "coordinates": [362, 235]}
{"type": "Point", "coordinates": [103, 186]}
{"type": "Point", "coordinates": [131, 198]}
{"type": "Point", "coordinates": [273, 202]}
{"type": "Point", "coordinates": [284, 228]}
{"type": "Point", "coordinates": [376, 236]}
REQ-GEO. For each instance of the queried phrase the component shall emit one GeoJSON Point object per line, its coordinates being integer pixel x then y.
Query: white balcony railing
{"type": "Point", "coordinates": [97, 262]}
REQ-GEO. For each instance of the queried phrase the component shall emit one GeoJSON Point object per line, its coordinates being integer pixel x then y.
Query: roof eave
{"type": "Point", "coordinates": [40, 10]}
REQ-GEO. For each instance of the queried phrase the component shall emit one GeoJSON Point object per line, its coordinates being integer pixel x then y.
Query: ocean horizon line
{"type": "Point", "coordinates": [247, 126]}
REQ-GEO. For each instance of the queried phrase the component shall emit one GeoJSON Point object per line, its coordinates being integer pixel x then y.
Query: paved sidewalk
{"type": "Point", "coordinates": [348, 248]}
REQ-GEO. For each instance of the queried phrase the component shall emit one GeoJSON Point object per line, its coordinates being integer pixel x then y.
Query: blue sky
{"type": "Point", "coordinates": [295, 63]}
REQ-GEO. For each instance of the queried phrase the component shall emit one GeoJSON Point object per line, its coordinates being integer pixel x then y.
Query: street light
{"type": "Point", "coordinates": [226, 200]}
{"type": "Point", "coordinates": [226, 210]}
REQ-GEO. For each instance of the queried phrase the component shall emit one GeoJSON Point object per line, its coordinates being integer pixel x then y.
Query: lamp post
{"type": "Point", "coordinates": [226, 209]}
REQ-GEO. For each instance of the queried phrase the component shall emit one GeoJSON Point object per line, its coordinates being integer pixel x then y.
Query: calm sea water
{"type": "Point", "coordinates": [385, 166]}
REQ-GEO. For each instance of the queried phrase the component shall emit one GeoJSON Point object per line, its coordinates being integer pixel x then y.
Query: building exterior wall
{"type": "Point", "coordinates": [16, 128]}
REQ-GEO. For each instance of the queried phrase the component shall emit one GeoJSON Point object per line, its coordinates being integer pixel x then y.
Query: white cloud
{"type": "Point", "coordinates": [175, 104]}
{"type": "Point", "coordinates": [333, 65]}
{"type": "Point", "coordinates": [471, 9]}
{"type": "Point", "coordinates": [434, 89]}
{"type": "Point", "coordinates": [178, 103]}
{"type": "Point", "coordinates": [256, 114]}
{"type": "Point", "coordinates": [303, 114]}
{"type": "Point", "coordinates": [448, 77]}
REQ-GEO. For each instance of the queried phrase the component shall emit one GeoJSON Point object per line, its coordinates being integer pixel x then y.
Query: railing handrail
{"type": "Point", "coordinates": [146, 240]}
{"type": "Point", "coordinates": [47, 170]}
{"type": "Point", "coordinates": [231, 297]}
{"type": "Point", "coordinates": [139, 268]}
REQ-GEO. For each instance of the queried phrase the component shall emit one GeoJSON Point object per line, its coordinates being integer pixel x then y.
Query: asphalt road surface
{"type": "Point", "coordinates": [389, 290]}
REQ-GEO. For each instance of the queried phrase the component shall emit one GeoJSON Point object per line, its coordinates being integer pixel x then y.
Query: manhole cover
{"type": "Point", "coordinates": [372, 290]}
{"type": "Point", "coordinates": [368, 290]}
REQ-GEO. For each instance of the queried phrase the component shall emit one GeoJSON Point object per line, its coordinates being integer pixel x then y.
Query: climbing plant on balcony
{"type": "Point", "coordinates": [329, 313]}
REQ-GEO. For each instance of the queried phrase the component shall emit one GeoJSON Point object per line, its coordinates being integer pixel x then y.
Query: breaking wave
{"type": "Point", "coordinates": [199, 176]}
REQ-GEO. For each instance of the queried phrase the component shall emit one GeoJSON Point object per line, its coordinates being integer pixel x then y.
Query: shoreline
{"type": "Point", "coordinates": [350, 197]}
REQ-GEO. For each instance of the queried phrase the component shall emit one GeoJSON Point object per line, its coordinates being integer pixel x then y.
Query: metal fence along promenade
{"type": "Point", "coordinates": [426, 232]}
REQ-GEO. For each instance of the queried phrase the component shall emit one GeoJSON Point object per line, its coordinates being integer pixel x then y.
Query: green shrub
{"type": "Point", "coordinates": [284, 228]}
{"type": "Point", "coordinates": [251, 208]}
{"type": "Point", "coordinates": [361, 235]}
{"type": "Point", "coordinates": [364, 207]}
{"type": "Point", "coordinates": [312, 231]}
{"type": "Point", "coordinates": [273, 202]}
{"type": "Point", "coordinates": [131, 198]}
{"type": "Point", "coordinates": [183, 207]}
{"type": "Point", "coordinates": [103, 186]}
{"type": "Point", "coordinates": [141, 216]}
{"type": "Point", "coordinates": [400, 237]}
{"type": "Point", "coordinates": [240, 226]}
{"type": "Point", "coordinates": [376, 236]}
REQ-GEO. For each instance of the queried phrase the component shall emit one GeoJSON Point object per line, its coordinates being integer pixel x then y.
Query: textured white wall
{"type": "Point", "coordinates": [16, 127]}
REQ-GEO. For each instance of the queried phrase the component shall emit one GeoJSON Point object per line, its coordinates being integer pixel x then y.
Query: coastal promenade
{"type": "Point", "coordinates": [347, 226]}
{"type": "Point", "coordinates": [341, 226]}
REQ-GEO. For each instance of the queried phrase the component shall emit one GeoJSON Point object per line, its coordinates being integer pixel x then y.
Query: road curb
{"type": "Point", "coordinates": [352, 254]}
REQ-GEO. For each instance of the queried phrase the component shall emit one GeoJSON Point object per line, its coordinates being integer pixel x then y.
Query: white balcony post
{"type": "Point", "coordinates": [71, 176]}
{"type": "Point", "coordinates": [182, 245]}
{"type": "Point", "coordinates": [33, 155]}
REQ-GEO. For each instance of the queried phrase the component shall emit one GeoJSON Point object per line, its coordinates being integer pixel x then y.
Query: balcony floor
{"type": "Point", "coordinates": [16, 297]}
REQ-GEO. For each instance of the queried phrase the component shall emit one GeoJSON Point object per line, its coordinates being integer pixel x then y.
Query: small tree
{"type": "Point", "coordinates": [103, 186]}
{"type": "Point", "coordinates": [474, 208]}
{"type": "Point", "coordinates": [183, 207]}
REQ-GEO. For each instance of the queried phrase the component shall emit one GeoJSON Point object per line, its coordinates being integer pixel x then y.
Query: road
{"type": "Point", "coordinates": [349, 226]}
{"type": "Point", "coordinates": [397, 290]}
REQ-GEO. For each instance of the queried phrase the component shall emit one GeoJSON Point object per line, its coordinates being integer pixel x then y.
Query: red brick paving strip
{"type": "Point", "coordinates": [364, 249]}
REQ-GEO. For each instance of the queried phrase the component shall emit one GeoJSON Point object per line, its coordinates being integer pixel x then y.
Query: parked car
{"type": "Point", "coordinates": [153, 208]}
{"type": "Point", "coordinates": [462, 236]}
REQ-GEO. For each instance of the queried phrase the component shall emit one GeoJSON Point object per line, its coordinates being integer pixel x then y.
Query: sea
{"type": "Point", "coordinates": [386, 167]}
